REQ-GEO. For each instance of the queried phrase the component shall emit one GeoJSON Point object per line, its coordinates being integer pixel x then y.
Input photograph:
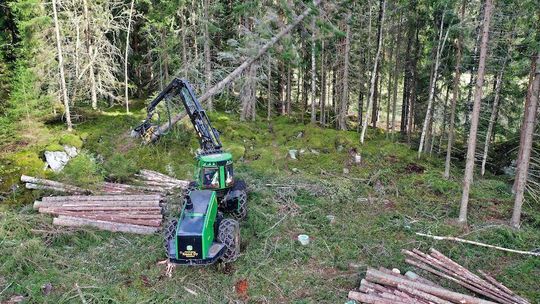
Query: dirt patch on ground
{"type": "Point", "coordinates": [415, 168]}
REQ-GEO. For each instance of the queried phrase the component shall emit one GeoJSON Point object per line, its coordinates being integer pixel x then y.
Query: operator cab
{"type": "Point", "coordinates": [215, 171]}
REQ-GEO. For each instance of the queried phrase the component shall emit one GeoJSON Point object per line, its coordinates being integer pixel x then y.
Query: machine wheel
{"type": "Point", "coordinates": [229, 235]}
{"type": "Point", "coordinates": [240, 212]}
{"type": "Point", "coordinates": [169, 235]}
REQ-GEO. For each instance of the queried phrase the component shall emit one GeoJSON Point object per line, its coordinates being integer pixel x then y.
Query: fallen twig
{"type": "Point", "coordinates": [451, 238]}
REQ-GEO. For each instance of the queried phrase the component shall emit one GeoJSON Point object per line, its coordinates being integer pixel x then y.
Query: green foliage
{"type": "Point", "coordinates": [27, 162]}
{"type": "Point", "coordinates": [54, 147]}
{"type": "Point", "coordinates": [119, 168]}
{"type": "Point", "coordinates": [82, 170]}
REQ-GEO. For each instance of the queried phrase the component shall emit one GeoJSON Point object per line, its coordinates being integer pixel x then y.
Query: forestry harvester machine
{"type": "Point", "coordinates": [202, 235]}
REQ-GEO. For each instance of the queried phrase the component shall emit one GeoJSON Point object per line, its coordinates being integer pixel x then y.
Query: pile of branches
{"type": "Point", "coordinates": [141, 214]}
{"type": "Point", "coordinates": [146, 181]}
{"type": "Point", "coordinates": [386, 286]}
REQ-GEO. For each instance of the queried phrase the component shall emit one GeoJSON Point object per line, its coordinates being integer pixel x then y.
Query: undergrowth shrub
{"type": "Point", "coordinates": [119, 168]}
{"type": "Point", "coordinates": [82, 170]}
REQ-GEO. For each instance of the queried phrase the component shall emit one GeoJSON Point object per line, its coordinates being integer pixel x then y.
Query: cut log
{"type": "Point", "coordinates": [371, 298]}
{"type": "Point", "coordinates": [147, 197]}
{"type": "Point", "coordinates": [100, 213]}
{"type": "Point", "coordinates": [38, 204]}
{"type": "Point", "coordinates": [422, 295]}
{"type": "Point", "coordinates": [376, 276]}
{"type": "Point", "coordinates": [113, 218]}
{"type": "Point", "coordinates": [45, 183]}
{"type": "Point", "coordinates": [70, 221]}
{"type": "Point", "coordinates": [105, 208]}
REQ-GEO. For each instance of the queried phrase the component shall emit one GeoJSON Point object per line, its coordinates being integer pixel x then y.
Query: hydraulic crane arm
{"type": "Point", "coordinates": [181, 89]}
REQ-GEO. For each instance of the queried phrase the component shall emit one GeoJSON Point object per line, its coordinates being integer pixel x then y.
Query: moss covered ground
{"type": "Point", "coordinates": [378, 206]}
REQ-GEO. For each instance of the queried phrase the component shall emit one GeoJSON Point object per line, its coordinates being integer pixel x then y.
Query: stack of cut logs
{"type": "Point", "coordinates": [147, 182]}
{"type": "Point", "coordinates": [386, 286]}
{"type": "Point", "coordinates": [123, 213]}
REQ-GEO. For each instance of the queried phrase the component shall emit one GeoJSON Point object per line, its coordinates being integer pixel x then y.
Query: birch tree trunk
{"type": "Point", "coordinates": [471, 145]}
{"type": "Point", "coordinates": [345, 96]}
{"type": "Point", "coordinates": [207, 59]}
{"type": "Point", "coordinates": [61, 67]}
{"type": "Point", "coordinates": [427, 119]}
{"type": "Point", "coordinates": [529, 121]}
{"type": "Point", "coordinates": [313, 66]}
{"type": "Point", "coordinates": [373, 74]}
{"type": "Point", "coordinates": [126, 57]}
{"type": "Point", "coordinates": [492, 117]}
{"type": "Point", "coordinates": [455, 93]}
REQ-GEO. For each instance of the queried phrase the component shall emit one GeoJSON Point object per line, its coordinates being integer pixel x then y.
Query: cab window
{"type": "Point", "coordinates": [211, 177]}
{"type": "Point", "coordinates": [229, 175]}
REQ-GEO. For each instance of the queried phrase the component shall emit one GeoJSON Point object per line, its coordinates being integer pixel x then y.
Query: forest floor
{"type": "Point", "coordinates": [378, 206]}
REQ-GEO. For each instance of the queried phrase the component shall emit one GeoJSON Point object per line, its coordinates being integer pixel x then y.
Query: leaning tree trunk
{"type": "Point", "coordinates": [492, 117]}
{"type": "Point", "coordinates": [455, 93]}
{"type": "Point", "coordinates": [471, 146]}
{"type": "Point", "coordinates": [238, 71]}
{"type": "Point", "coordinates": [427, 119]}
{"type": "Point", "coordinates": [374, 73]}
{"type": "Point", "coordinates": [345, 79]}
{"type": "Point", "coordinates": [126, 57]}
{"type": "Point", "coordinates": [526, 145]}
{"type": "Point", "coordinates": [61, 67]}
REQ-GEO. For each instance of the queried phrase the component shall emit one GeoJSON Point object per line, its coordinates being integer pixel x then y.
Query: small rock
{"type": "Point", "coordinates": [46, 289]}
{"type": "Point", "coordinates": [331, 219]}
{"type": "Point", "coordinates": [71, 151]}
{"type": "Point", "coordinates": [357, 158]}
{"type": "Point", "coordinates": [395, 270]}
{"type": "Point", "coordinates": [15, 299]}
{"type": "Point", "coordinates": [292, 153]}
{"type": "Point", "coordinates": [295, 170]}
{"type": "Point", "coordinates": [300, 134]}
{"type": "Point", "coordinates": [345, 170]}
{"type": "Point", "coordinates": [315, 151]}
{"type": "Point", "coordinates": [340, 148]}
{"type": "Point", "coordinates": [302, 151]}
{"type": "Point", "coordinates": [56, 160]}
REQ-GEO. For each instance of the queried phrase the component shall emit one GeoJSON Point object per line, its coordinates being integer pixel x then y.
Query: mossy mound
{"type": "Point", "coordinates": [71, 140]}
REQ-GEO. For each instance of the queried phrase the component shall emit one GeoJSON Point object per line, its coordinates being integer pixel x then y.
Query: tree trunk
{"type": "Point", "coordinates": [61, 67]}
{"type": "Point", "coordinates": [413, 85]}
{"type": "Point", "coordinates": [126, 57]}
{"type": "Point", "coordinates": [396, 77]}
{"type": "Point", "coordinates": [345, 96]}
{"type": "Point", "coordinates": [373, 75]}
{"type": "Point", "coordinates": [389, 86]}
{"type": "Point", "coordinates": [91, 55]}
{"type": "Point", "coordinates": [313, 66]}
{"type": "Point", "coordinates": [444, 122]}
{"type": "Point", "coordinates": [494, 110]}
{"type": "Point", "coordinates": [184, 43]}
{"type": "Point", "coordinates": [529, 123]}
{"type": "Point", "coordinates": [529, 89]}
{"type": "Point", "coordinates": [427, 120]}
{"type": "Point", "coordinates": [207, 58]}
{"type": "Point", "coordinates": [322, 116]}
{"type": "Point", "coordinates": [455, 93]}
{"type": "Point", "coordinates": [269, 89]}
{"type": "Point", "coordinates": [288, 92]}
{"type": "Point", "coordinates": [471, 145]}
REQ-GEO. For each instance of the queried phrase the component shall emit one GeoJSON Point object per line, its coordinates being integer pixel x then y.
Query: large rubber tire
{"type": "Point", "coordinates": [229, 235]}
{"type": "Point", "coordinates": [169, 235]}
{"type": "Point", "coordinates": [240, 212]}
